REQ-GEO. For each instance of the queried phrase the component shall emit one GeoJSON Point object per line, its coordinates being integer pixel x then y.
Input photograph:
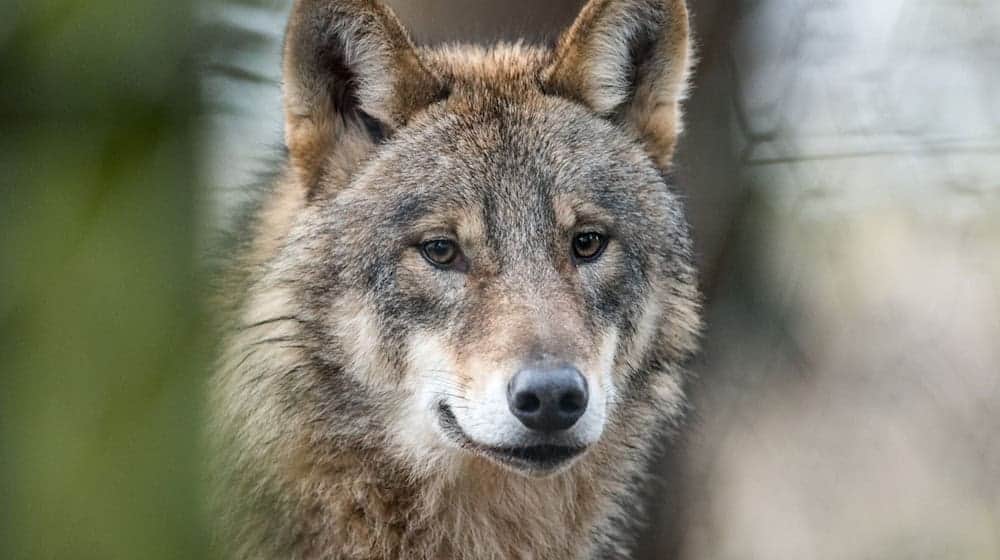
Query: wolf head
{"type": "Point", "coordinates": [475, 253]}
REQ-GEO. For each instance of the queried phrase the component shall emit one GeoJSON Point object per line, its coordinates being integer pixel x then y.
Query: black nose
{"type": "Point", "coordinates": [548, 399]}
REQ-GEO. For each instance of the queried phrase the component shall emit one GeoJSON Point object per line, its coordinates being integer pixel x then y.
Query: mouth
{"type": "Point", "coordinates": [538, 459]}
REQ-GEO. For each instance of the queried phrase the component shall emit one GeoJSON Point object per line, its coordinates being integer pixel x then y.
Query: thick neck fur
{"type": "Point", "coordinates": [374, 511]}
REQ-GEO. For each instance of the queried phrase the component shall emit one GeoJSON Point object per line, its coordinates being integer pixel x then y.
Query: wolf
{"type": "Point", "coordinates": [458, 324]}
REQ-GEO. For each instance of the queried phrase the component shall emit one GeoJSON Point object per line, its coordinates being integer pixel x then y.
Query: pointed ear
{"type": "Point", "coordinates": [628, 60]}
{"type": "Point", "coordinates": [351, 75]}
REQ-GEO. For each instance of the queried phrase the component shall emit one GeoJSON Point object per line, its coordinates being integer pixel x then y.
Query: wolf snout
{"type": "Point", "coordinates": [548, 399]}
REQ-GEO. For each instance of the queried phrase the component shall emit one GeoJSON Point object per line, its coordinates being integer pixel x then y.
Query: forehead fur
{"type": "Point", "coordinates": [510, 68]}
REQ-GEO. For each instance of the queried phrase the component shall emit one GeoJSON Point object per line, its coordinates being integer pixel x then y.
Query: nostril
{"type": "Point", "coordinates": [571, 402]}
{"type": "Point", "coordinates": [527, 402]}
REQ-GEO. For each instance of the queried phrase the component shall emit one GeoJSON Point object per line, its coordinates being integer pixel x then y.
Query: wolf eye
{"type": "Point", "coordinates": [588, 246]}
{"type": "Point", "coordinates": [440, 252]}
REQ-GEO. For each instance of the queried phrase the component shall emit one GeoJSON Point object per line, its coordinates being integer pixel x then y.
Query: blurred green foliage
{"type": "Point", "coordinates": [102, 343]}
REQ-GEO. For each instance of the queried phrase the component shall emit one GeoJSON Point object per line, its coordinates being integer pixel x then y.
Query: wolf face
{"type": "Point", "coordinates": [474, 254]}
{"type": "Point", "coordinates": [497, 266]}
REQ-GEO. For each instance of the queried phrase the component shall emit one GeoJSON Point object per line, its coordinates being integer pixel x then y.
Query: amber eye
{"type": "Point", "coordinates": [588, 246]}
{"type": "Point", "coordinates": [440, 252]}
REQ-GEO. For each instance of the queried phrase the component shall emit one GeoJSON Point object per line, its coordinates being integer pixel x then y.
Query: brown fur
{"type": "Point", "coordinates": [318, 456]}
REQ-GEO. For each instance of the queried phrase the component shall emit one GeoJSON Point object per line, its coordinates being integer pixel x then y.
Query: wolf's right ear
{"type": "Point", "coordinates": [351, 74]}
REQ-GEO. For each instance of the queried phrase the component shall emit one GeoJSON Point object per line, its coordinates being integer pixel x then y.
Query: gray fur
{"type": "Point", "coordinates": [323, 448]}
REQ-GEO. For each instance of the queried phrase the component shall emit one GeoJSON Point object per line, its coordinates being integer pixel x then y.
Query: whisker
{"type": "Point", "coordinates": [276, 339]}
{"type": "Point", "coordinates": [244, 359]}
{"type": "Point", "coordinates": [270, 321]}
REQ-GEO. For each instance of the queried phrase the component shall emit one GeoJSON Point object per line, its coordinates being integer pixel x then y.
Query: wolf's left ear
{"type": "Point", "coordinates": [628, 60]}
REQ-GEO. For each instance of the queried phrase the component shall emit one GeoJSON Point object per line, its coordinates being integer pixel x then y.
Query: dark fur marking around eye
{"type": "Point", "coordinates": [408, 209]}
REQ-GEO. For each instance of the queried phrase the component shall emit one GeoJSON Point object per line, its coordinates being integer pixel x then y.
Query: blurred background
{"type": "Point", "coordinates": [842, 169]}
